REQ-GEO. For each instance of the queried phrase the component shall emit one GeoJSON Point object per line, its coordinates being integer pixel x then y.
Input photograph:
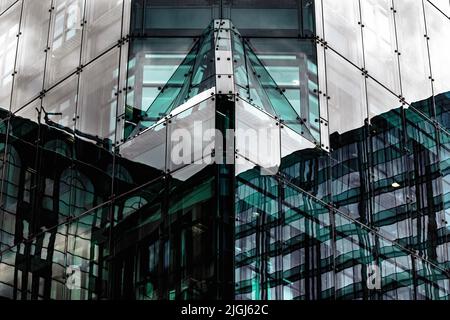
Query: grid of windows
{"type": "Point", "coordinates": [60, 65]}
{"type": "Point", "coordinates": [377, 199]}
{"type": "Point", "coordinates": [86, 214]}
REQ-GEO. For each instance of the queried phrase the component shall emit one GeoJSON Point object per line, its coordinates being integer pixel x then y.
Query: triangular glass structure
{"type": "Point", "coordinates": [194, 75]}
{"type": "Point", "coordinates": [198, 72]}
{"type": "Point", "coordinates": [255, 85]}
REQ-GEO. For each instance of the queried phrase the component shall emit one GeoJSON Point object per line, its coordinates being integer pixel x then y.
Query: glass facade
{"type": "Point", "coordinates": [334, 183]}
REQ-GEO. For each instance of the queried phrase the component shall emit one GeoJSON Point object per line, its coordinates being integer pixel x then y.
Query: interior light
{"type": "Point", "coordinates": [396, 185]}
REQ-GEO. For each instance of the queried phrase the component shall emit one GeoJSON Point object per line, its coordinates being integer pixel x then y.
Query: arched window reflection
{"type": "Point", "coordinates": [11, 171]}
{"type": "Point", "coordinates": [121, 173]}
{"type": "Point", "coordinates": [76, 193]}
{"type": "Point", "coordinates": [60, 147]}
{"type": "Point", "coordinates": [132, 205]}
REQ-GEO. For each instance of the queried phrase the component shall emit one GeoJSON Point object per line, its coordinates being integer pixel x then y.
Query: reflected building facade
{"type": "Point", "coordinates": [350, 201]}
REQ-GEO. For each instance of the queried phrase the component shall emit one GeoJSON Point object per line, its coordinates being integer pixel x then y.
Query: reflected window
{"type": "Point", "coordinates": [67, 22]}
{"type": "Point", "coordinates": [76, 193]}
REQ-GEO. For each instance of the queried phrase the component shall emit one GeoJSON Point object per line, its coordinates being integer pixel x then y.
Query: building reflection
{"type": "Point", "coordinates": [379, 198]}
{"type": "Point", "coordinates": [311, 231]}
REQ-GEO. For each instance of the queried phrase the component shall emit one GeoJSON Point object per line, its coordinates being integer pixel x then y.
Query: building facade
{"type": "Point", "coordinates": [225, 149]}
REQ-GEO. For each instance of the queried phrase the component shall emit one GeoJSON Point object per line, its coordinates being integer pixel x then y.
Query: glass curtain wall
{"type": "Point", "coordinates": [81, 201]}
{"type": "Point", "coordinates": [63, 66]}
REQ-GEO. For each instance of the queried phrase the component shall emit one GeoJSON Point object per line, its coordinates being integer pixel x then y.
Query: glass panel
{"type": "Point", "coordinates": [307, 246]}
{"type": "Point", "coordinates": [256, 211]}
{"type": "Point", "coordinates": [24, 124]}
{"type": "Point", "coordinates": [422, 149]}
{"type": "Point", "coordinates": [275, 17]}
{"type": "Point", "coordinates": [282, 252]}
{"type": "Point", "coordinates": [140, 160]}
{"type": "Point", "coordinates": [152, 62]}
{"type": "Point", "coordinates": [148, 148]}
{"type": "Point", "coordinates": [9, 282]}
{"type": "Point", "coordinates": [293, 67]}
{"type": "Point", "coordinates": [396, 272]}
{"type": "Point", "coordinates": [59, 266]}
{"type": "Point", "coordinates": [348, 187]}
{"type": "Point", "coordinates": [169, 267]}
{"type": "Point", "coordinates": [170, 15]}
{"type": "Point", "coordinates": [138, 261]}
{"type": "Point", "coordinates": [240, 63]}
{"type": "Point", "coordinates": [76, 192]}
{"type": "Point", "coordinates": [204, 67]}
{"type": "Point", "coordinates": [62, 262]}
{"type": "Point", "coordinates": [380, 44]}
{"type": "Point", "coordinates": [342, 28]}
{"type": "Point", "coordinates": [19, 174]}
{"type": "Point", "coordinates": [96, 113]}
{"type": "Point", "coordinates": [414, 63]}
{"type": "Point", "coordinates": [380, 100]}
{"type": "Point", "coordinates": [432, 283]}
{"type": "Point", "coordinates": [103, 27]}
{"type": "Point", "coordinates": [193, 76]}
{"type": "Point", "coordinates": [390, 179]}
{"type": "Point", "coordinates": [442, 104]}
{"type": "Point", "coordinates": [5, 4]}
{"type": "Point", "coordinates": [85, 241]}
{"type": "Point", "coordinates": [11, 162]}
{"type": "Point", "coordinates": [64, 39]}
{"type": "Point", "coordinates": [136, 17]}
{"type": "Point", "coordinates": [258, 88]}
{"type": "Point", "coordinates": [438, 27]}
{"type": "Point", "coordinates": [292, 143]}
{"type": "Point", "coordinates": [443, 5]}
{"type": "Point", "coordinates": [29, 81]}
{"type": "Point", "coordinates": [283, 109]}
{"type": "Point", "coordinates": [346, 89]}
{"type": "Point", "coordinates": [443, 216]}
{"type": "Point", "coordinates": [190, 139]}
{"type": "Point", "coordinates": [355, 257]}
{"type": "Point", "coordinates": [249, 87]}
{"type": "Point", "coordinates": [192, 249]}
{"type": "Point", "coordinates": [9, 24]}
{"type": "Point", "coordinates": [257, 137]}
{"type": "Point", "coordinates": [56, 156]}
{"type": "Point", "coordinates": [191, 135]}
{"type": "Point", "coordinates": [304, 165]}
{"type": "Point", "coordinates": [59, 104]}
